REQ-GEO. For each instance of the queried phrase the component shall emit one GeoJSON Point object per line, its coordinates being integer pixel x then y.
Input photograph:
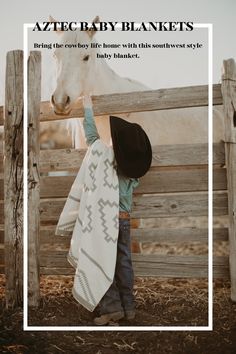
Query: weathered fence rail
{"type": "Point", "coordinates": [34, 98]}
{"type": "Point", "coordinates": [13, 178]}
{"type": "Point", "coordinates": [229, 95]}
{"type": "Point", "coordinates": [180, 97]}
{"type": "Point", "coordinates": [175, 187]}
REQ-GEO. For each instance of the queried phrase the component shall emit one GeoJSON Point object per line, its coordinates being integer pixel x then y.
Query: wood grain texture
{"type": "Point", "coordinates": [178, 204]}
{"type": "Point", "coordinates": [163, 155]}
{"type": "Point", "coordinates": [13, 178]}
{"type": "Point", "coordinates": [141, 101]}
{"type": "Point", "coordinates": [229, 99]}
{"type": "Point", "coordinates": [1, 115]}
{"type": "Point", "coordinates": [173, 266]}
{"type": "Point", "coordinates": [2, 212]}
{"type": "Point", "coordinates": [188, 234]}
{"type": "Point", "coordinates": [170, 266]}
{"type": "Point", "coordinates": [1, 156]}
{"type": "Point", "coordinates": [34, 98]}
{"type": "Point", "coordinates": [160, 205]}
{"type": "Point", "coordinates": [166, 235]}
{"type": "Point", "coordinates": [157, 180]}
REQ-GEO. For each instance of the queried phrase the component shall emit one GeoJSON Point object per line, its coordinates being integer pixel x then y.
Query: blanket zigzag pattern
{"type": "Point", "coordinates": [88, 227]}
{"type": "Point", "coordinates": [108, 166]}
{"type": "Point", "coordinates": [92, 167]}
{"type": "Point", "coordinates": [91, 215]}
{"type": "Point", "coordinates": [96, 152]}
{"type": "Point", "coordinates": [102, 203]}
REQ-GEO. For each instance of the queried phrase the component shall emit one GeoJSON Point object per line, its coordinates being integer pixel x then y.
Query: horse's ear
{"type": "Point", "coordinates": [91, 33]}
{"type": "Point", "coordinates": [51, 19]}
{"type": "Point", "coordinates": [96, 20]}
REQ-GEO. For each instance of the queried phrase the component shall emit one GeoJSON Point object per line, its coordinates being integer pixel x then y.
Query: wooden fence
{"type": "Point", "coordinates": [176, 185]}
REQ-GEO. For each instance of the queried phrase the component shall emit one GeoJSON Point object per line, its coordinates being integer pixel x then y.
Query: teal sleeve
{"type": "Point", "coordinates": [135, 182]}
{"type": "Point", "coordinates": [90, 128]}
{"type": "Point", "coordinates": [126, 188]}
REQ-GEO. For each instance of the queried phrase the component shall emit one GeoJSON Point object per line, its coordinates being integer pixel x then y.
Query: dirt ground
{"type": "Point", "coordinates": [160, 302]}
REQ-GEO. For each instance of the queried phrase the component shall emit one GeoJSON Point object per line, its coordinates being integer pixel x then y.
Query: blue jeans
{"type": "Point", "coordinates": [120, 296]}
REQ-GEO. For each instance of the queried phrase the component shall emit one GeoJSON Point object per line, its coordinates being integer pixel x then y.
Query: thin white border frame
{"type": "Point", "coordinates": [26, 327]}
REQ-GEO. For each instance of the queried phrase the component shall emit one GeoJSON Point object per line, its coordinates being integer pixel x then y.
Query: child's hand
{"type": "Point", "coordinates": [87, 102]}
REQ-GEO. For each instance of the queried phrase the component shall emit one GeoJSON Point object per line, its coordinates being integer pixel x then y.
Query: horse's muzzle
{"type": "Point", "coordinates": [61, 108]}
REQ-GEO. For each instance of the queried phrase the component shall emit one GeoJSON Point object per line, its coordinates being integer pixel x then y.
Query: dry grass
{"type": "Point", "coordinates": [159, 301]}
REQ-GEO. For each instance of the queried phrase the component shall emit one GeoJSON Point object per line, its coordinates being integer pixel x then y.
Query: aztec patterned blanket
{"type": "Point", "coordinates": [91, 214]}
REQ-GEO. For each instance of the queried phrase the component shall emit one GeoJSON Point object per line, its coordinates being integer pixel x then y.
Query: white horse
{"type": "Point", "coordinates": [79, 72]}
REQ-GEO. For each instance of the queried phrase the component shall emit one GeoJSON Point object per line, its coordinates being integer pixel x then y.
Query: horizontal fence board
{"type": "Point", "coordinates": [57, 271]}
{"type": "Point", "coordinates": [170, 98]}
{"type": "Point", "coordinates": [178, 204]}
{"type": "Point", "coordinates": [55, 262]}
{"type": "Point", "coordinates": [163, 155]}
{"type": "Point", "coordinates": [61, 159]}
{"type": "Point", "coordinates": [164, 205]}
{"type": "Point", "coordinates": [150, 206]}
{"type": "Point", "coordinates": [165, 235]}
{"type": "Point", "coordinates": [154, 265]}
{"type": "Point", "coordinates": [179, 266]}
{"type": "Point", "coordinates": [188, 234]}
{"type": "Point", "coordinates": [155, 181]}
{"type": "Point", "coordinates": [141, 101]}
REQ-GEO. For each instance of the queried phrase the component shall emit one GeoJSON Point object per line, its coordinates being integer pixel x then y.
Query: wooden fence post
{"type": "Point", "coordinates": [13, 178]}
{"type": "Point", "coordinates": [34, 98]}
{"type": "Point", "coordinates": [229, 100]}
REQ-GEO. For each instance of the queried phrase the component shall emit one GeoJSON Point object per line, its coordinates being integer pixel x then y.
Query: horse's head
{"type": "Point", "coordinates": [75, 68]}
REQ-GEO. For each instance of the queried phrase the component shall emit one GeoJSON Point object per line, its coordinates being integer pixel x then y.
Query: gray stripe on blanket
{"type": "Point", "coordinates": [79, 221]}
{"type": "Point", "coordinates": [85, 279]}
{"type": "Point", "coordinates": [67, 224]}
{"type": "Point", "coordinates": [96, 263]}
{"type": "Point", "coordinates": [73, 198]}
{"type": "Point", "coordinates": [82, 301]}
{"type": "Point", "coordinates": [82, 286]}
{"type": "Point", "coordinates": [71, 259]}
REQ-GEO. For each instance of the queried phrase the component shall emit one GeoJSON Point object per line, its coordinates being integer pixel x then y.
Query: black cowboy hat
{"type": "Point", "coordinates": [132, 148]}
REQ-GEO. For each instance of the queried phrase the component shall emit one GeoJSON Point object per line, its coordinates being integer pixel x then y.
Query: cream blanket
{"type": "Point", "coordinates": [91, 214]}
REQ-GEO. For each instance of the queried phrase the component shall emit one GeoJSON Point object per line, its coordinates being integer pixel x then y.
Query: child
{"type": "Point", "coordinates": [133, 156]}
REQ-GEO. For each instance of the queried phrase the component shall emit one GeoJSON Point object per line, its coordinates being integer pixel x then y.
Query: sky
{"type": "Point", "coordinates": [157, 68]}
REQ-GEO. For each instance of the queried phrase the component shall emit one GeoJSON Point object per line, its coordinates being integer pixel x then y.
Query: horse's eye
{"type": "Point", "coordinates": [86, 58]}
